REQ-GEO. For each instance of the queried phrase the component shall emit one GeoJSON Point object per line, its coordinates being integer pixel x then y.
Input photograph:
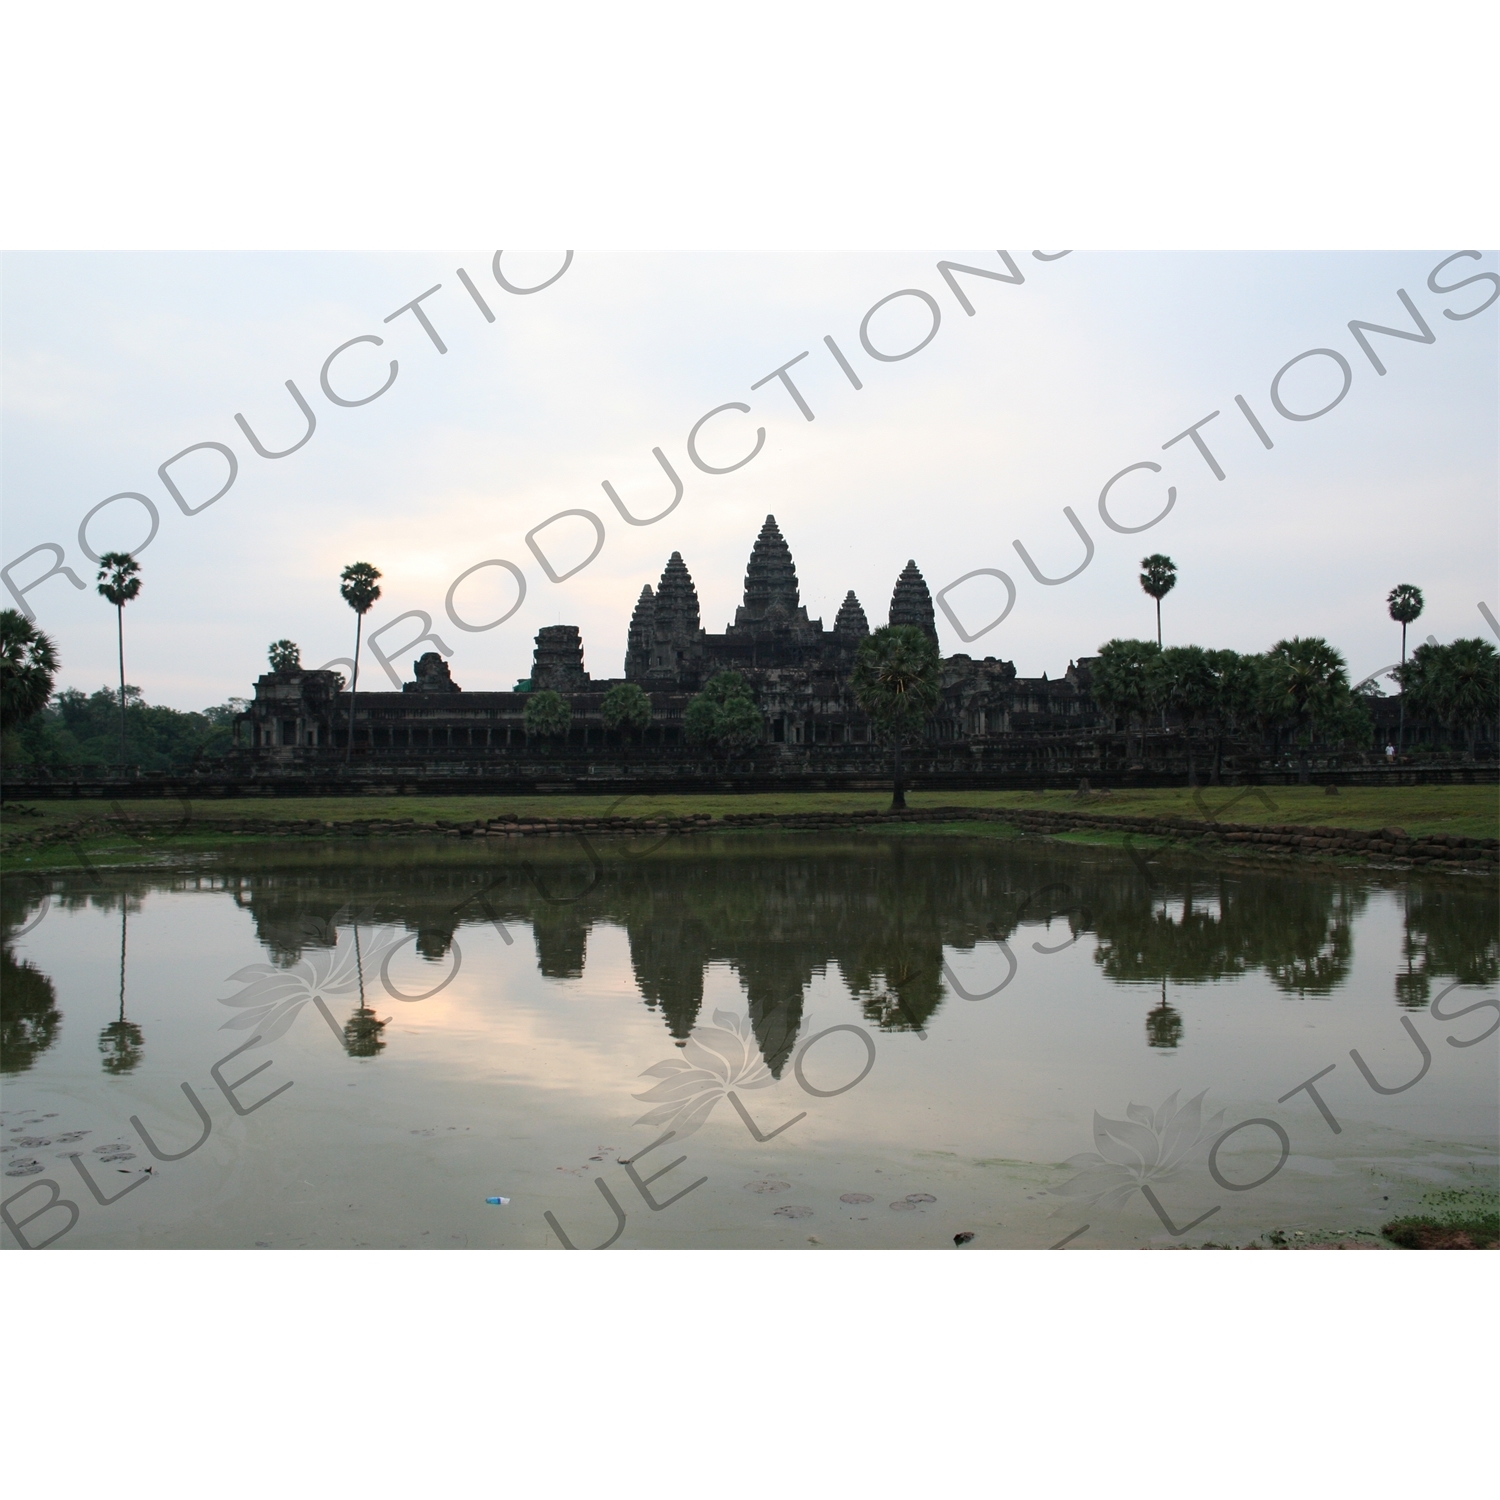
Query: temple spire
{"type": "Point", "coordinates": [851, 617]}
{"type": "Point", "coordinates": [770, 577]}
{"type": "Point", "coordinates": [676, 608]}
{"type": "Point", "coordinates": [638, 640]}
{"type": "Point", "coordinates": [911, 604]}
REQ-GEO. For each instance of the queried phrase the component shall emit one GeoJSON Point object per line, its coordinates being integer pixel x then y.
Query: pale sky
{"type": "Point", "coordinates": [115, 362]}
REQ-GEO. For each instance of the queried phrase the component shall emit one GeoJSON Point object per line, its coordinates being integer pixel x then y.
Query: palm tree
{"type": "Point", "coordinates": [723, 715]}
{"type": "Point", "coordinates": [547, 715]}
{"type": "Point", "coordinates": [28, 663]}
{"type": "Point", "coordinates": [360, 590]}
{"type": "Point", "coordinates": [1185, 678]}
{"type": "Point", "coordinates": [119, 582]}
{"type": "Point", "coordinates": [1405, 604]}
{"type": "Point", "coordinates": [1305, 680]}
{"type": "Point", "coordinates": [1158, 580]}
{"type": "Point", "coordinates": [896, 682]}
{"type": "Point", "coordinates": [1458, 684]}
{"type": "Point", "coordinates": [1124, 680]}
{"type": "Point", "coordinates": [284, 656]}
{"type": "Point", "coordinates": [626, 706]}
{"type": "Point", "coordinates": [1235, 680]}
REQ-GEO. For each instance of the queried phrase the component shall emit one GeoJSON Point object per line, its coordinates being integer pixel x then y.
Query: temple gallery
{"type": "Point", "coordinates": [797, 671]}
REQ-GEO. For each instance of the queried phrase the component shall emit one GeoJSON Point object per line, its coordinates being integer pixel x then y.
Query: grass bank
{"type": "Point", "coordinates": [1473, 811]}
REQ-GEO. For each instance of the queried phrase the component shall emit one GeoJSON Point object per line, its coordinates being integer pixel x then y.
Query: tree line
{"type": "Point", "coordinates": [1298, 693]}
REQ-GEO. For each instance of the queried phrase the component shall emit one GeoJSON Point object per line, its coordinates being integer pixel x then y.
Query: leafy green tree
{"type": "Point", "coordinates": [1158, 579]}
{"type": "Point", "coordinates": [285, 656]}
{"type": "Point", "coordinates": [1457, 684]}
{"type": "Point", "coordinates": [723, 715]}
{"type": "Point", "coordinates": [119, 582]}
{"type": "Point", "coordinates": [1404, 602]}
{"type": "Point", "coordinates": [1304, 683]}
{"type": "Point", "coordinates": [80, 729]}
{"type": "Point", "coordinates": [1349, 723]}
{"type": "Point", "coordinates": [357, 584]}
{"type": "Point", "coordinates": [1124, 681]}
{"type": "Point", "coordinates": [626, 706]}
{"type": "Point", "coordinates": [1236, 686]}
{"type": "Point", "coordinates": [896, 681]}
{"type": "Point", "coordinates": [28, 663]}
{"type": "Point", "coordinates": [547, 715]}
{"type": "Point", "coordinates": [225, 713]}
{"type": "Point", "coordinates": [1183, 679]}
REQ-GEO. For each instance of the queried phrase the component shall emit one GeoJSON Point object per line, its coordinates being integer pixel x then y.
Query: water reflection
{"type": "Point", "coordinates": [122, 1041]}
{"type": "Point", "coordinates": [29, 1017]}
{"type": "Point", "coordinates": [362, 1031]}
{"type": "Point", "coordinates": [1163, 1024]}
{"type": "Point", "coordinates": [779, 910]}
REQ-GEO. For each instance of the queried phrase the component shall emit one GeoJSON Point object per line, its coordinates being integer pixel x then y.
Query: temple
{"type": "Point", "coordinates": [798, 671]}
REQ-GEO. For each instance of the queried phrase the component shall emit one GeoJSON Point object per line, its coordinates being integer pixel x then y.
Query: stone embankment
{"type": "Point", "coordinates": [1388, 846]}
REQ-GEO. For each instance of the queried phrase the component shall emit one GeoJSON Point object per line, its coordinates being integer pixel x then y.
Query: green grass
{"type": "Point", "coordinates": [1473, 811]}
{"type": "Point", "coordinates": [1471, 1215]}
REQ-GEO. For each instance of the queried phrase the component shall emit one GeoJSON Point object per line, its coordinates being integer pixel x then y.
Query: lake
{"type": "Point", "coordinates": [749, 1040]}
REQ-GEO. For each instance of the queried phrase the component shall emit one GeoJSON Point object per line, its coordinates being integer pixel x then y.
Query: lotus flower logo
{"type": "Point", "coordinates": [1150, 1146]}
{"type": "Point", "coordinates": [273, 997]}
{"type": "Point", "coordinates": [715, 1060]}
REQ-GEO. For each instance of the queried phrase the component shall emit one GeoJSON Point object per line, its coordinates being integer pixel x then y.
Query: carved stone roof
{"type": "Point", "coordinates": [911, 604]}
{"type": "Point", "coordinates": [851, 617]}
{"type": "Point", "coordinates": [676, 607]}
{"type": "Point", "coordinates": [770, 578]}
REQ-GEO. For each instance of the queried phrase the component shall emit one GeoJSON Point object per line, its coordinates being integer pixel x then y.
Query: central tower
{"type": "Point", "coordinates": [771, 594]}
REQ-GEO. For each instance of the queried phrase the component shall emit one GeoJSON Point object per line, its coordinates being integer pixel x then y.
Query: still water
{"type": "Point", "coordinates": [739, 1041]}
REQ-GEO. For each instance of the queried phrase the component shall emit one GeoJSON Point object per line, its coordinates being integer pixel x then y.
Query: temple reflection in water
{"type": "Point", "coordinates": [779, 910]}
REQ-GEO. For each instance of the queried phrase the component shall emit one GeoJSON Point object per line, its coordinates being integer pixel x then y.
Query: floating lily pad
{"type": "Point", "coordinates": [35, 1140]}
{"type": "Point", "coordinates": [792, 1211]}
{"type": "Point", "coordinates": [767, 1185]}
{"type": "Point", "coordinates": [920, 1198]}
{"type": "Point", "coordinates": [855, 1198]}
{"type": "Point", "coordinates": [25, 1166]}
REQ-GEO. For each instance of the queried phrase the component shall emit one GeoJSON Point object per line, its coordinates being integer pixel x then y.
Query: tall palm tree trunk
{"type": "Point", "coordinates": [1401, 706]}
{"type": "Point", "coordinates": [359, 621]}
{"type": "Point", "coordinates": [120, 621]}
{"type": "Point", "coordinates": [898, 788]}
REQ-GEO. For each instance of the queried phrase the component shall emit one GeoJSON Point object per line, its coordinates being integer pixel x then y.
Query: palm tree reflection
{"type": "Point", "coordinates": [122, 1042]}
{"type": "Point", "coordinates": [363, 1030]}
{"type": "Point", "coordinates": [1163, 1024]}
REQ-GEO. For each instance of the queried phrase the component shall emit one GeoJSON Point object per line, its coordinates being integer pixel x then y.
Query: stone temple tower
{"type": "Point", "coordinates": [557, 663]}
{"type": "Point", "coordinates": [850, 619]}
{"type": "Point", "coordinates": [911, 604]}
{"type": "Point", "coordinates": [638, 642]}
{"type": "Point", "coordinates": [671, 648]}
{"type": "Point", "coordinates": [771, 593]}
